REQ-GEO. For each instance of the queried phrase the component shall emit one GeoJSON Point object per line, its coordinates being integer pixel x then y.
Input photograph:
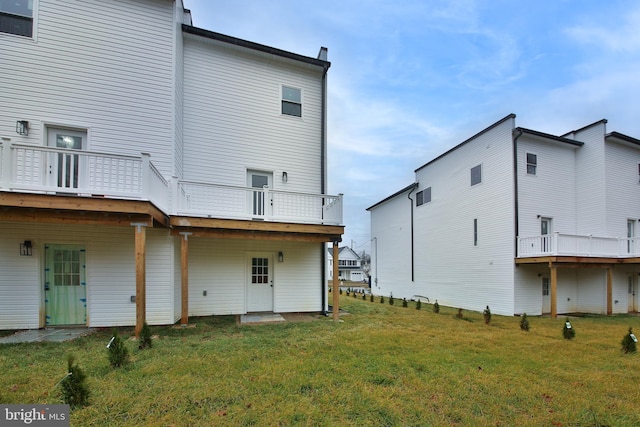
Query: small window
{"type": "Point", "coordinates": [423, 196]}
{"type": "Point", "coordinates": [545, 286]}
{"type": "Point", "coordinates": [532, 163]}
{"type": "Point", "coordinates": [475, 232]}
{"type": "Point", "coordinates": [16, 17]}
{"type": "Point", "coordinates": [638, 172]}
{"type": "Point", "coordinates": [291, 101]}
{"type": "Point", "coordinates": [476, 175]}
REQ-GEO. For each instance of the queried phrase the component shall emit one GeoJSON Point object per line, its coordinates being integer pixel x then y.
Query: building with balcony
{"type": "Point", "coordinates": [520, 220]}
{"type": "Point", "coordinates": [151, 170]}
{"type": "Point", "coordinates": [349, 265]}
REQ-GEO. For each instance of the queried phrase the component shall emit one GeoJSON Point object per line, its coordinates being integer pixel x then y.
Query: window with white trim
{"type": "Point", "coordinates": [476, 175]}
{"type": "Point", "coordinates": [532, 163]}
{"type": "Point", "coordinates": [16, 17]}
{"type": "Point", "coordinates": [423, 196]}
{"type": "Point", "coordinates": [545, 286]}
{"type": "Point", "coordinates": [475, 232]}
{"type": "Point", "coordinates": [291, 101]}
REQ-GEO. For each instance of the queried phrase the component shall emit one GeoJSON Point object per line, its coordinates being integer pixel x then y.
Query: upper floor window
{"type": "Point", "coordinates": [423, 196]}
{"type": "Point", "coordinates": [476, 175]}
{"type": "Point", "coordinates": [638, 172]}
{"type": "Point", "coordinates": [291, 101]}
{"type": "Point", "coordinates": [16, 17]}
{"type": "Point", "coordinates": [348, 263]}
{"type": "Point", "coordinates": [532, 163]}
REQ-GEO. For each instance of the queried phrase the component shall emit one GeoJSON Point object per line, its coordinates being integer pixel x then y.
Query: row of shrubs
{"type": "Point", "coordinates": [568, 332]}
{"type": "Point", "coordinates": [75, 391]}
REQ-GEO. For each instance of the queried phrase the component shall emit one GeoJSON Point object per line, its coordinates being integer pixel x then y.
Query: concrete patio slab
{"type": "Point", "coordinates": [46, 335]}
{"type": "Point", "coordinates": [261, 318]}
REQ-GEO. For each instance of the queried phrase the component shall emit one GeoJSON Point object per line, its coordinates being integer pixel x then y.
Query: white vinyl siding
{"type": "Point", "coordinates": [622, 188]}
{"type": "Point", "coordinates": [95, 67]}
{"type": "Point", "coordinates": [233, 122]}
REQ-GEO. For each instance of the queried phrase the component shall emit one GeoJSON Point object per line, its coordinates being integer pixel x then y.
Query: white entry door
{"type": "Point", "coordinates": [260, 286]}
{"type": "Point", "coordinates": [633, 293]}
{"type": "Point", "coordinates": [64, 168]}
{"type": "Point", "coordinates": [259, 205]}
{"type": "Point", "coordinates": [546, 298]}
{"type": "Point", "coordinates": [545, 231]}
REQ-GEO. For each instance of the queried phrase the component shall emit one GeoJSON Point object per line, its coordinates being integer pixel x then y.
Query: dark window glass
{"type": "Point", "coordinates": [475, 232]}
{"type": "Point", "coordinates": [291, 101]}
{"type": "Point", "coordinates": [423, 196]}
{"type": "Point", "coordinates": [16, 17]}
{"type": "Point", "coordinates": [476, 175]}
{"type": "Point", "coordinates": [532, 163]}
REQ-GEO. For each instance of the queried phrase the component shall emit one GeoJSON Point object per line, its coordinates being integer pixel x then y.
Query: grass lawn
{"type": "Point", "coordinates": [382, 365]}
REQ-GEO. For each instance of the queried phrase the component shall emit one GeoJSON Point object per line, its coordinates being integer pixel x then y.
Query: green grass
{"type": "Point", "coordinates": [381, 365]}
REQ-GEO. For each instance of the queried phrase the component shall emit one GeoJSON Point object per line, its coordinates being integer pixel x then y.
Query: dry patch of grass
{"type": "Point", "coordinates": [383, 365]}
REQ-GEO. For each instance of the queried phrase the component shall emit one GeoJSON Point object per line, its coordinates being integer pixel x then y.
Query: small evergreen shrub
{"type": "Point", "coordinates": [567, 330]}
{"type": "Point", "coordinates": [487, 315]}
{"type": "Point", "coordinates": [340, 291]}
{"type": "Point", "coordinates": [371, 298]}
{"type": "Point", "coordinates": [419, 305]}
{"type": "Point", "coordinates": [459, 315]}
{"type": "Point", "coordinates": [145, 337]}
{"type": "Point", "coordinates": [524, 323]}
{"type": "Point", "coordinates": [391, 299]}
{"type": "Point", "coordinates": [436, 307]}
{"type": "Point", "coordinates": [118, 353]}
{"type": "Point", "coordinates": [405, 304]}
{"type": "Point", "coordinates": [75, 391]}
{"type": "Point", "coordinates": [355, 294]}
{"type": "Point", "coordinates": [364, 296]}
{"type": "Point", "coordinates": [381, 299]}
{"type": "Point", "coordinates": [629, 343]}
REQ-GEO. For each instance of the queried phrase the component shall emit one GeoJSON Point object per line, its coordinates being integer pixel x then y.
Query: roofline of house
{"type": "Point", "coordinates": [404, 190]}
{"type": "Point", "coordinates": [485, 130]}
{"type": "Point", "coordinates": [599, 122]}
{"type": "Point", "coordinates": [549, 136]}
{"type": "Point", "coordinates": [622, 137]}
{"type": "Point", "coordinates": [254, 46]}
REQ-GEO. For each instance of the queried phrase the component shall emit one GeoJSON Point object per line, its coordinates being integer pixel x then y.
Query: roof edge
{"type": "Point", "coordinates": [485, 130]}
{"type": "Point", "coordinates": [622, 137]}
{"type": "Point", "coordinates": [254, 46]}
{"type": "Point", "coordinates": [397, 193]}
{"type": "Point", "coordinates": [599, 122]}
{"type": "Point", "coordinates": [549, 136]}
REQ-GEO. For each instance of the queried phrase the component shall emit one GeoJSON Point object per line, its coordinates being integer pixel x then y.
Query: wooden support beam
{"type": "Point", "coordinates": [554, 289]}
{"type": "Point", "coordinates": [255, 235]}
{"type": "Point", "coordinates": [141, 270]}
{"type": "Point", "coordinates": [336, 288]}
{"type": "Point", "coordinates": [609, 291]}
{"type": "Point", "coordinates": [184, 256]}
{"type": "Point", "coordinates": [247, 225]}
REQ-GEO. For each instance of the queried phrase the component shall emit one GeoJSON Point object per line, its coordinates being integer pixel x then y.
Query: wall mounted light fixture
{"type": "Point", "coordinates": [285, 177]}
{"type": "Point", "coordinates": [280, 257]}
{"type": "Point", "coordinates": [22, 127]}
{"type": "Point", "coordinates": [26, 249]}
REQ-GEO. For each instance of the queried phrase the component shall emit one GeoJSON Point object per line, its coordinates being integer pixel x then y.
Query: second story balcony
{"type": "Point", "coordinates": [58, 171]}
{"type": "Point", "coordinates": [561, 244]}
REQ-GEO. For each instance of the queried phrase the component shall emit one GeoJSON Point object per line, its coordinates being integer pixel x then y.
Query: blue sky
{"type": "Point", "coordinates": [411, 79]}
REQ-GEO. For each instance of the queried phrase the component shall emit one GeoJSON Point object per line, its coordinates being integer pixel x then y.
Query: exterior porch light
{"type": "Point", "coordinates": [280, 257]}
{"type": "Point", "coordinates": [26, 249]}
{"type": "Point", "coordinates": [285, 177]}
{"type": "Point", "coordinates": [22, 127]}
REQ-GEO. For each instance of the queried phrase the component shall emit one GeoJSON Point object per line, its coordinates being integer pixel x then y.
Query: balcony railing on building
{"type": "Point", "coordinates": [560, 244]}
{"type": "Point", "coordinates": [50, 170]}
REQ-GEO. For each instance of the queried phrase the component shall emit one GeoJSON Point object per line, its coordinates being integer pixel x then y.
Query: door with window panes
{"type": "Point", "coordinates": [65, 168]}
{"type": "Point", "coordinates": [65, 285]}
{"type": "Point", "coordinates": [260, 286]}
{"type": "Point", "coordinates": [546, 299]}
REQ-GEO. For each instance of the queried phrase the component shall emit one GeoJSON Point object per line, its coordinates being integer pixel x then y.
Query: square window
{"type": "Point", "coordinates": [16, 17]}
{"type": "Point", "coordinates": [423, 196]}
{"type": "Point", "coordinates": [532, 163]}
{"type": "Point", "coordinates": [291, 101]}
{"type": "Point", "coordinates": [476, 175]}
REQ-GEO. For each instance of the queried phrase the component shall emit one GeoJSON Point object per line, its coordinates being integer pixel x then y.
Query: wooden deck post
{"type": "Point", "coordinates": [554, 290]}
{"type": "Point", "coordinates": [609, 290]}
{"type": "Point", "coordinates": [336, 290]}
{"type": "Point", "coordinates": [141, 272]}
{"type": "Point", "coordinates": [184, 257]}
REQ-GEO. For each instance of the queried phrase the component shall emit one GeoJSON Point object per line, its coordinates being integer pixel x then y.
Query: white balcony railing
{"type": "Point", "coordinates": [50, 170]}
{"type": "Point", "coordinates": [573, 245]}
{"type": "Point", "coordinates": [38, 169]}
{"type": "Point", "coordinates": [224, 201]}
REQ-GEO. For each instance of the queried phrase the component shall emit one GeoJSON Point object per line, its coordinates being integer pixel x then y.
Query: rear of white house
{"type": "Point", "coordinates": [519, 220]}
{"type": "Point", "coordinates": [151, 170]}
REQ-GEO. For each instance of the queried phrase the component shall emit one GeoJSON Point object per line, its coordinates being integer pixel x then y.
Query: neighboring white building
{"type": "Point", "coordinates": [349, 265]}
{"type": "Point", "coordinates": [152, 170]}
{"type": "Point", "coordinates": [519, 220]}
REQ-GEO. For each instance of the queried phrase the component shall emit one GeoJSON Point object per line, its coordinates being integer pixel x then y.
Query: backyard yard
{"type": "Point", "coordinates": [380, 365]}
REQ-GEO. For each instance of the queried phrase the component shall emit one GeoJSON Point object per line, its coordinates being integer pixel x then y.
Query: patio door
{"type": "Point", "coordinates": [259, 206]}
{"type": "Point", "coordinates": [260, 286]}
{"type": "Point", "coordinates": [546, 299]}
{"type": "Point", "coordinates": [631, 233]}
{"type": "Point", "coordinates": [545, 231]}
{"type": "Point", "coordinates": [65, 285]}
{"type": "Point", "coordinates": [633, 293]}
{"type": "Point", "coordinates": [64, 168]}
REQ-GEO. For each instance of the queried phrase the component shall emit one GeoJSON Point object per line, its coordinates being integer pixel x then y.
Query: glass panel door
{"type": "Point", "coordinates": [65, 285]}
{"type": "Point", "coordinates": [260, 286]}
{"type": "Point", "coordinates": [259, 203]}
{"type": "Point", "coordinates": [631, 233]}
{"type": "Point", "coordinates": [64, 167]}
{"type": "Point", "coordinates": [545, 230]}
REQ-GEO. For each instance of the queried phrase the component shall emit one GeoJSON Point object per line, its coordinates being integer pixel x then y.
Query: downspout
{"type": "Point", "coordinates": [323, 160]}
{"type": "Point", "coordinates": [412, 255]}
{"type": "Point", "coordinates": [515, 189]}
